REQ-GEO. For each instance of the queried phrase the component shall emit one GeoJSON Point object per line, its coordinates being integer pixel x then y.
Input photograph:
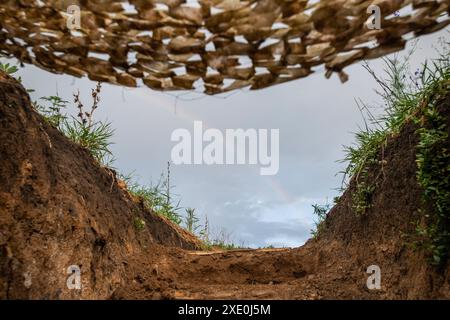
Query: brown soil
{"type": "Point", "coordinates": [58, 208]}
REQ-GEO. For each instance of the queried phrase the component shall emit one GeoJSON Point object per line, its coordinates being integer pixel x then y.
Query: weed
{"type": "Point", "coordinates": [224, 245]}
{"type": "Point", "coordinates": [139, 224]}
{"type": "Point", "coordinates": [433, 174]}
{"type": "Point", "coordinates": [191, 220]}
{"type": "Point", "coordinates": [408, 97]}
{"type": "Point", "coordinates": [11, 70]}
{"type": "Point", "coordinates": [168, 207]}
{"type": "Point", "coordinates": [8, 68]}
{"type": "Point", "coordinates": [321, 211]}
{"type": "Point", "coordinates": [158, 198]}
{"type": "Point", "coordinates": [53, 114]}
{"type": "Point", "coordinates": [362, 197]}
{"type": "Point", "coordinates": [93, 135]}
{"type": "Point", "coordinates": [336, 199]}
{"type": "Point", "coordinates": [221, 239]}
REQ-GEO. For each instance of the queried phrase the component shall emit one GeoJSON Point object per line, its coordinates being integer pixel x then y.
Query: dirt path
{"type": "Point", "coordinates": [249, 274]}
{"type": "Point", "coordinates": [241, 274]}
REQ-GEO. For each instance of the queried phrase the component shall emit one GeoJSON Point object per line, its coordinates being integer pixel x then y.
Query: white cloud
{"type": "Point", "coordinates": [315, 117]}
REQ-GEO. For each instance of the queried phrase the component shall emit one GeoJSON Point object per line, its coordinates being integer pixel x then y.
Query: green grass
{"type": "Point", "coordinates": [139, 224]}
{"type": "Point", "coordinates": [53, 111]}
{"type": "Point", "coordinates": [433, 174]}
{"type": "Point", "coordinates": [84, 130]}
{"type": "Point", "coordinates": [409, 96]}
{"type": "Point", "coordinates": [93, 135]}
{"type": "Point", "coordinates": [157, 198]}
{"type": "Point", "coordinates": [11, 70]}
{"type": "Point", "coordinates": [220, 245]}
{"type": "Point", "coordinates": [321, 212]}
{"type": "Point", "coordinates": [160, 199]}
{"type": "Point", "coordinates": [191, 221]}
{"type": "Point", "coordinates": [8, 68]}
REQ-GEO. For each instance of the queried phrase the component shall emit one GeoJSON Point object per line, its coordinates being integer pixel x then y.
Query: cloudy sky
{"type": "Point", "coordinates": [315, 117]}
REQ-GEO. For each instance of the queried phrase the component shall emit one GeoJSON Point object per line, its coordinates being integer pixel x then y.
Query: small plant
{"type": "Point", "coordinates": [191, 220]}
{"type": "Point", "coordinates": [362, 197]}
{"type": "Point", "coordinates": [158, 198]}
{"type": "Point", "coordinates": [139, 224]}
{"type": "Point", "coordinates": [53, 114]}
{"type": "Point", "coordinates": [204, 233]}
{"type": "Point", "coordinates": [336, 199]}
{"type": "Point", "coordinates": [11, 70]}
{"type": "Point", "coordinates": [147, 195]}
{"type": "Point", "coordinates": [93, 135]}
{"type": "Point", "coordinates": [8, 68]}
{"type": "Point", "coordinates": [224, 245]}
{"type": "Point", "coordinates": [321, 211]}
{"type": "Point", "coordinates": [222, 240]}
{"type": "Point", "coordinates": [167, 207]}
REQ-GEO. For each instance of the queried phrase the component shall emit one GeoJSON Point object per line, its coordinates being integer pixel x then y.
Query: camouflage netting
{"type": "Point", "coordinates": [215, 45]}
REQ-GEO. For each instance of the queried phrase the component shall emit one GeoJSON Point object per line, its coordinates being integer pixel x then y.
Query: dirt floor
{"type": "Point", "coordinates": [59, 208]}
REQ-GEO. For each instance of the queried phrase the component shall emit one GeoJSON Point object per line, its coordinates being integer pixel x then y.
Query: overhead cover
{"type": "Point", "coordinates": [210, 45]}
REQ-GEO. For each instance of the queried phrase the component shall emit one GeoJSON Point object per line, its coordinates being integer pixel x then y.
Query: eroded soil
{"type": "Point", "coordinates": [59, 208]}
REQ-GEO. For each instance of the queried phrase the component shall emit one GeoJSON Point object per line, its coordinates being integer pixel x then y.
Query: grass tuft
{"type": "Point", "coordinates": [95, 136]}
